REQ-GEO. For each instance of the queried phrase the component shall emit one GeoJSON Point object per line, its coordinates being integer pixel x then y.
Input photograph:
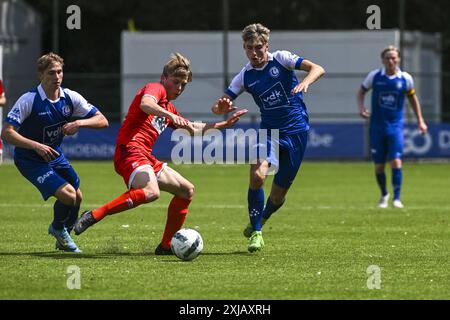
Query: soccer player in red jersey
{"type": "Point", "coordinates": [150, 113]}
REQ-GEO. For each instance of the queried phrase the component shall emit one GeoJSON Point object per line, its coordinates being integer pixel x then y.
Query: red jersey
{"type": "Point", "coordinates": [141, 129]}
{"type": "Point", "coordinates": [2, 91]}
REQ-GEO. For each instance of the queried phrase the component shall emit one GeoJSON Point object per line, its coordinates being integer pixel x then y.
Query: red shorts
{"type": "Point", "coordinates": [128, 161]}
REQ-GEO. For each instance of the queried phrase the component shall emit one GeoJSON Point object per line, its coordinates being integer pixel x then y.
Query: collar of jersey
{"type": "Point", "coordinates": [398, 74]}
{"type": "Point", "coordinates": [44, 96]}
{"type": "Point", "coordinates": [269, 58]}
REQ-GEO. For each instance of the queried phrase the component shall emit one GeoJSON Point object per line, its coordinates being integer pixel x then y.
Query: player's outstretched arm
{"type": "Point", "coordinates": [149, 106]}
{"type": "Point", "coordinates": [314, 70]}
{"type": "Point", "coordinates": [415, 105]}
{"type": "Point", "coordinates": [97, 121]}
{"type": "Point", "coordinates": [229, 122]}
{"type": "Point", "coordinates": [198, 127]}
{"type": "Point", "coordinates": [223, 105]}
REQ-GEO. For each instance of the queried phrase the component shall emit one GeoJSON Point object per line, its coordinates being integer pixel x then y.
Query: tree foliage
{"type": "Point", "coordinates": [96, 47]}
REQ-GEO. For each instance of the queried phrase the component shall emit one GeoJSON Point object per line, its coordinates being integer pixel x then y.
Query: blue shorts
{"type": "Point", "coordinates": [285, 156]}
{"type": "Point", "coordinates": [386, 145]}
{"type": "Point", "coordinates": [48, 177]}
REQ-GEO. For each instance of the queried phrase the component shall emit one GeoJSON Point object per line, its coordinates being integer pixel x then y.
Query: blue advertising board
{"type": "Point", "coordinates": [336, 141]}
{"type": "Point", "coordinates": [91, 144]}
{"type": "Point", "coordinates": [325, 141]}
{"type": "Point", "coordinates": [434, 144]}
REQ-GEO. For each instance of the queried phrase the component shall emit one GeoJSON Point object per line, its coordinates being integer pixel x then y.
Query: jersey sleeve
{"type": "Point", "coordinates": [410, 91]}
{"type": "Point", "coordinates": [288, 59]}
{"type": "Point", "coordinates": [368, 81]}
{"type": "Point", "coordinates": [171, 108]}
{"type": "Point", "coordinates": [155, 91]}
{"type": "Point", "coordinates": [237, 85]}
{"type": "Point", "coordinates": [81, 108]}
{"type": "Point", "coordinates": [21, 109]}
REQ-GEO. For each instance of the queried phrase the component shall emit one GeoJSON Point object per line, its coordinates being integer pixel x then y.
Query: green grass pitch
{"type": "Point", "coordinates": [318, 246]}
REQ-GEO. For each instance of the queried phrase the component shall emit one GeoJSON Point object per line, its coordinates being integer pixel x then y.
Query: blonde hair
{"type": "Point", "coordinates": [254, 32]}
{"type": "Point", "coordinates": [178, 66]}
{"type": "Point", "coordinates": [390, 48]}
{"type": "Point", "coordinates": [47, 59]}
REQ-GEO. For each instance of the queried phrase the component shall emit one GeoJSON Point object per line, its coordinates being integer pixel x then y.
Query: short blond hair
{"type": "Point", "coordinates": [46, 61]}
{"type": "Point", "coordinates": [390, 48]}
{"type": "Point", "coordinates": [254, 32]}
{"type": "Point", "coordinates": [178, 66]}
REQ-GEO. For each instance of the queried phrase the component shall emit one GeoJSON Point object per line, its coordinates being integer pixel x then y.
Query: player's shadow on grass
{"type": "Point", "coordinates": [69, 255]}
{"type": "Point", "coordinates": [108, 255]}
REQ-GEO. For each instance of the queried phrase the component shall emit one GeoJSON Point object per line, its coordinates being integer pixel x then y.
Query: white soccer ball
{"type": "Point", "coordinates": [187, 244]}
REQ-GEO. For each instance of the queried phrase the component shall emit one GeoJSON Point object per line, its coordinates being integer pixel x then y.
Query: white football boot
{"type": "Point", "coordinates": [383, 203]}
{"type": "Point", "coordinates": [398, 204]}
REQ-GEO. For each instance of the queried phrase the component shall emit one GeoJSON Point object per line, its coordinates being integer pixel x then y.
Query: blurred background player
{"type": "Point", "coordinates": [2, 104]}
{"type": "Point", "coordinates": [270, 79]}
{"type": "Point", "coordinates": [390, 85]}
{"type": "Point", "coordinates": [36, 125]}
{"type": "Point", "coordinates": [150, 113]}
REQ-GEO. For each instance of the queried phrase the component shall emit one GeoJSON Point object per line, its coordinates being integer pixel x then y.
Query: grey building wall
{"type": "Point", "coordinates": [20, 37]}
{"type": "Point", "coordinates": [347, 57]}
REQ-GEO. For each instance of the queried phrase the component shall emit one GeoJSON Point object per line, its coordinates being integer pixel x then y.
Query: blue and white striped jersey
{"type": "Point", "coordinates": [271, 88]}
{"type": "Point", "coordinates": [40, 119]}
{"type": "Point", "coordinates": [388, 96]}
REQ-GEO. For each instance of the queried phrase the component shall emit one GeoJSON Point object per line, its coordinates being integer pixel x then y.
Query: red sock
{"type": "Point", "coordinates": [128, 200]}
{"type": "Point", "coordinates": [176, 214]}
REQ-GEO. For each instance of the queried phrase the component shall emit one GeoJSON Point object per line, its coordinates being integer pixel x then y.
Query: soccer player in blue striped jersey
{"type": "Point", "coordinates": [389, 87]}
{"type": "Point", "coordinates": [270, 79]}
{"type": "Point", "coordinates": [36, 125]}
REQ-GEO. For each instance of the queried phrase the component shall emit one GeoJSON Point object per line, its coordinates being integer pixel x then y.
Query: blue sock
{"type": "Point", "coordinates": [397, 182]}
{"type": "Point", "coordinates": [60, 214]}
{"type": "Point", "coordinates": [381, 179]}
{"type": "Point", "coordinates": [255, 207]}
{"type": "Point", "coordinates": [270, 208]}
{"type": "Point", "coordinates": [73, 216]}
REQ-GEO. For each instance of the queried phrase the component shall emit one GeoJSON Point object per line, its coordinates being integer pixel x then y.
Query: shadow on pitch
{"type": "Point", "coordinates": [69, 255]}
{"type": "Point", "coordinates": [107, 255]}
